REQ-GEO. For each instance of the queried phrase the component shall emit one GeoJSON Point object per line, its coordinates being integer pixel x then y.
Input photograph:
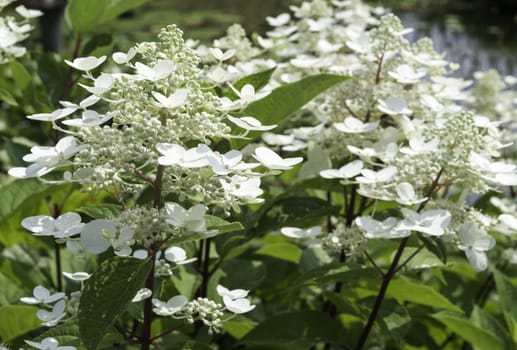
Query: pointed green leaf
{"type": "Point", "coordinates": [106, 295]}
{"type": "Point", "coordinates": [479, 337]}
{"type": "Point", "coordinates": [101, 211]}
{"type": "Point", "coordinates": [221, 225]}
{"type": "Point", "coordinates": [22, 319]}
{"type": "Point", "coordinates": [299, 330]}
{"type": "Point", "coordinates": [257, 80]}
{"type": "Point", "coordinates": [289, 98]}
{"type": "Point", "coordinates": [284, 251]}
{"type": "Point", "coordinates": [21, 76]}
{"type": "Point", "coordinates": [5, 96]}
{"type": "Point", "coordinates": [404, 289]}
{"type": "Point", "coordinates": [507, 296]}
{"type": "Point", "coordinates": [115, 8]}
{"type": "Point", "coordinates": [84, 15]}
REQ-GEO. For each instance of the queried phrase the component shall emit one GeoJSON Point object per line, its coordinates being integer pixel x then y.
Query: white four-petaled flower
{"type": "Point", "coordinates": [49, 343]}
{"type": "Point", "coordinates": [475, 242]}
{"type": "Point", "coordinates": [271, 160]}
{"type": "Point", "coordinates": [65, 225]}
{"type": "Point", "coordinates": [42, 295]}
{"type": "Point", "coordinates": [192, 219]}
{"type": "Point", "coordinates": [235, 300]}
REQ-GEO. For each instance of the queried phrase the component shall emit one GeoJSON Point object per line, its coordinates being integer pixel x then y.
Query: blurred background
{"type": "Point", "coordinates": [477, 34]}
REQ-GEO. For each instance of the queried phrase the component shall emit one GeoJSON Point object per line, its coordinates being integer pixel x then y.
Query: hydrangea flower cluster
{"type": "Point", "coordinates": [154, 122]}
{"type": "Point", "coordinates": [397, 127]}
{"type": "Point", "coordinates": [13, 31]}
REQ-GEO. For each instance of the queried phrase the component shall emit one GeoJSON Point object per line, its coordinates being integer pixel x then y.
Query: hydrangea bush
{"type": "Point", "coordinates": [326, 185]}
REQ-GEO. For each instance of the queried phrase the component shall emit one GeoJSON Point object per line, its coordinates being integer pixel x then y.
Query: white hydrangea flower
{"type": "Point", "coordinates": [65, 225]}
{"type": "Point", "coordinates": [27, 13]}
{"type": "Point", "coordinates": [49, 343]}
{"type": "Point", "coordinates": [89, 118]}
{"type": "Point", "coordinates": [178, 256]}
{"type": "Point", "coordinates": [406, 194]}
{"type": "Point", "coordinates": [86, 63]}
{"type": "Point", "coordinates": [171, 307]}
{"type": "Point", "coordinates": [235, 300]}
{"type": "Point", "coordinates": [47, 158]}
{"type": "Point", "coordinates": [354, 125]}
{"type": "Point", "coordinates": [405, 74]}
{"type": "Point", "coordinates": [161, 70]}
{"type": "Point", "coordinates": [271, 160]}
{"type": "Point", "coordinates": [475, 242]}
{"type": "Point", "coordinates": [42, 295]}
{"type": "Point", "coordinates": [347, 171]}
{"type": "Point", "coordinates": [192, 219]}
{"type": "Point", "coordinates": [432, 222]}
{"type": "Point", "coordinates": [52, 318]}
{"type": "Point", "coordinates": [250, 124]}
{"type": "Point", "coordinates": [124, 57]}
{"type": "Point", "coordinates": [174, 154]}
{"type": "Point", "coordinates": [380, 229]}
{"type": "Point", "coordinates": [221, 56]}
{"type": "Point", "coordinates": [102, 84]}
{"type": "Point", "coordinates": [280, 20]}
{"type": "Point", "coordinates": [507, 224]}
{"type": "Point", "coordinates": [77, 276]}
{"type": "Point", "coordinates": [175, 100]}
{"type": "Point", "coordinates": [373, 177]}
{"type": "Point", "coordinates": [142, 294]}
{"type": "Point", "coordinates": [394, 106]}
{"type": "Point", "coordinates": [295, 232]}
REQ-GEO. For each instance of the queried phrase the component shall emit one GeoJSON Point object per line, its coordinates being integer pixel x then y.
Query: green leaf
{"type": "Point", "coordinates": [21, 76]}
{"type": "Point", "coordinates": [237, 273]}
{"type": "Point", "coordinates": [96, 42]}
{"type": "Point", "coordinates": [257, 80]}
{"type": "Point", "coordinates": [289, 98]}
{"type": "Point", "coordinates": [284, 251]}
{"type": "Point", "coordinates": [299, 329]}
{"type": "Point", "coordinates": [84, 15]}
{"type": "Point", "coordinates": [52, 73]}
{"type": "Point", "coordinates": [221, 225]}
{"type": "Point", "coordinates": [239, 326]}
{"type": "Point", "coordinates": [101, 211]}
{"type": "Point", "coordinates": [6, 97]}
{"type": "Point", "coordinates": [507, 296]}
{"type": "Point", "coordinates": [114, 8]}
{"type": "Point", "coordinates": [478, 337]}
{"type": "Point", "coordinates": [65, 334]}
{"type": "Point", "coordinates": [335, 272]}
{"type": "Point", "coordinates": [422, 260]}
{"type": "Point", "coordinates": [106, 295]}
{"type": "Point", "coordinates": [488, 322]}
{"type": "Point", "coordinates": [419, 294]}
{"type": "Point", "coordinates": [22, 319]}
{"type": "Point", "coordinates": [435, 245]}
{"type": "Point", "coordinates": [190, 345]}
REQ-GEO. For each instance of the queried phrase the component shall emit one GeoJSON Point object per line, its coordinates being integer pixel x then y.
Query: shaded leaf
{"type": "Point", "coordinates": [284, 251]}
{"type": "Point", "coordinates": [404, 289]}
{"type": "Point", "coordinates": [106, 295]}
{"type": "Point", "coordinates": [21, 76]}
{"type": "Point", "coordinates": [101, 211]}
{"type": "Point", "coordinates": [466, 329]}
{"type": "Point", "coordinates": [83, 15]}
{"type": "Point", "coordinates": [299, 329]}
